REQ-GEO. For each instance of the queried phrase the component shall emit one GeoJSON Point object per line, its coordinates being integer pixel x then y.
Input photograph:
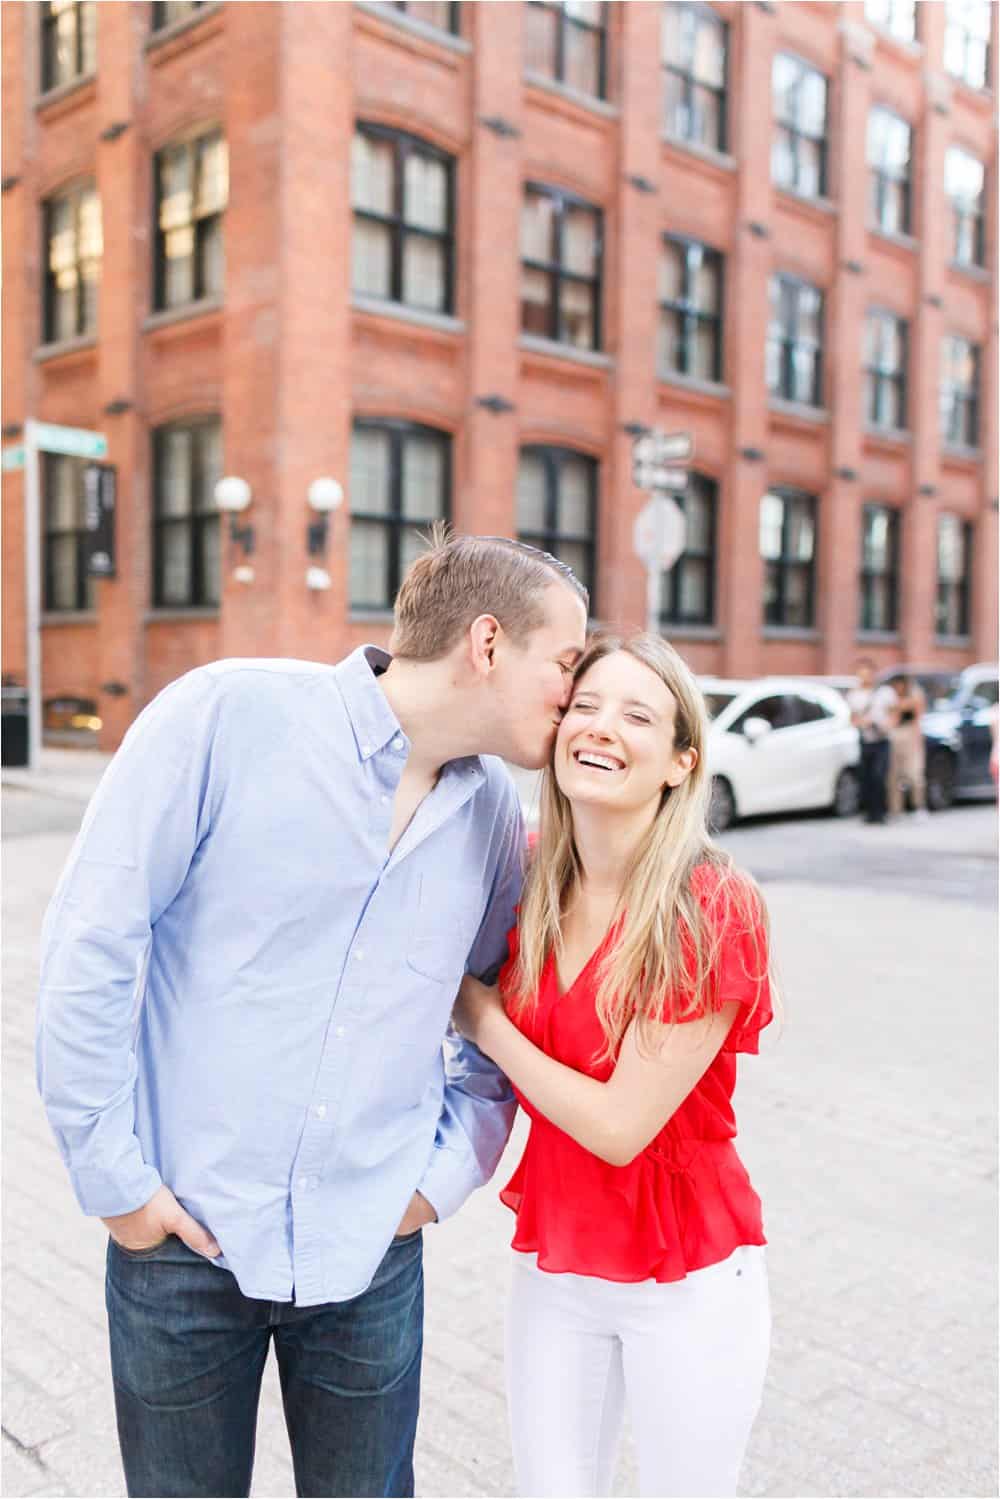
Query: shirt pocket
{"type": "Point", "coordinates": [448, 919]}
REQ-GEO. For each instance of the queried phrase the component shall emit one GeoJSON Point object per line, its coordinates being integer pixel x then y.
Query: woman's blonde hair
{"type": "Point", "coordinates": [666, 948]}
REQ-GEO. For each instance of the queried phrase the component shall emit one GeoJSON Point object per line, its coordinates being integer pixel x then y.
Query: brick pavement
{"type": "Point", "coordinates": [868, 1126]}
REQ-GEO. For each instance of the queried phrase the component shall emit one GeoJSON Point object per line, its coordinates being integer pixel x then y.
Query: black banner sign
{"type": "Point", "coordinates": [100, 491]}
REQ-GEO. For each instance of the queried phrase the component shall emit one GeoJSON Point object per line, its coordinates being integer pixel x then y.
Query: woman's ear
{"type": "Point", "coordinates": [681, 766]}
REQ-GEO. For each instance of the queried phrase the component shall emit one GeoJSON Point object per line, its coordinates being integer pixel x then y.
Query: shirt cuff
{"type": "Point", "coordinates": [448, 1181]}
{"type": "Point", "coordinates": [107, 1194]}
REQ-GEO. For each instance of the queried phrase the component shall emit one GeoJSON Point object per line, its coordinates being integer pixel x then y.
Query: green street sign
{"type": "Point", "coordinates": [77, 442]}
{"type": "Point", "coordinates": [12, 458]}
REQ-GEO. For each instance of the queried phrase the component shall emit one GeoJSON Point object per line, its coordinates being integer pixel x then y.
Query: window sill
{"type": "Point", "coordinates": [816, 416]}
{"type": "Point", "coordinates": [708, 154]}
{"type": "Point", "coordinates": [907, 45]}
{"type": "Point", "coordinates": [689, 632]}
{"type": "Point", "coordinates": [954, 642]}
{"type": "Point", "coordinates": [571, 95]}
{"type": "Point", "coordinates": [359, 616]}
{"type": "Point", "coordinates": [416, 28]}
{"type": "Point", "coordinates": [789, 632]}
{"type": "Point", "coordinates": [821, 207]}
{"type": "Point", "coordinates": [178, 613]}
{"type": "Point", "coordinates": [968, 268]}
{"type": "Point", "coordinates": [83, 343]}
{"type": "Point", "coordinates": [76, 91]}
{"type": "Point", "coordinates": [953, 453]}
{"type": "Point", "coordinates": [877, 637]}
{"type": "Point", "coordinates": [69, 617]}
{"type": "Point", "coordinates": [694, 384]}
{"type": "Point", "coordinates": [981, 93]}
{"type": "Point", "coordinates": [170, 315]}
{"type": "Point", "coordinates": [890, 437]}
{"type": "Point", "coordinates": [162, 38]}
{"type": "Point", "coordinates": [898, 241]}
{"type": "Point", "coordinates": [555, 350]}
{"type": "Point", "coordinates": [399, 312]}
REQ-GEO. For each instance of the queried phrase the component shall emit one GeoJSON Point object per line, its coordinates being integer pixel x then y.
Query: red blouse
{"type": "Point", "coordinates": [686, 1201]}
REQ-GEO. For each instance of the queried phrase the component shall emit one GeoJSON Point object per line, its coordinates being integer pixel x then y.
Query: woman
{"type": "Point", "coordinates": [637, 972]}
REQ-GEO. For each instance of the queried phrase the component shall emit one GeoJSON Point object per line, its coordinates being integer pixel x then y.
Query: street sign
{"type": "Point", "coordinates": [656, 476]}
{"type": "Point", "coordinates": [77, 442]}
{"type": "Point", "coordinates": [100, 486]}
{"type": "Point", "coordinates": [662, 447]}
{"type": "Point", "coordinates": [12, 458]}
{"type": "Point", "coordinates": [659, 532]}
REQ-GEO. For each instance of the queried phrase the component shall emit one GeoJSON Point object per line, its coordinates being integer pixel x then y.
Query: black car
{"type": "Point", "coordinates": [957, 731]}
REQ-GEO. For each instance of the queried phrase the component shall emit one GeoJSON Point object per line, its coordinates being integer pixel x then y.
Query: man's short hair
{"type": "Point", "coordinates": [460, 577]}
{"type": "Point", "coordinates": [865, 661]}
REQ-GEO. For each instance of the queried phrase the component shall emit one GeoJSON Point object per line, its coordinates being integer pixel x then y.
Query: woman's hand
{"type": "Point", "coordinates": [477, 1010]}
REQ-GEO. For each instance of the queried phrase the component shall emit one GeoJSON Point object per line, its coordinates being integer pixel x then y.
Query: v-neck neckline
{"type": "Point", "coordinates": [561, 991]}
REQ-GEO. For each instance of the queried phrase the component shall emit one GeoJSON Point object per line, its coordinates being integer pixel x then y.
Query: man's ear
{"type": "Point", "coordinates": [484, 633]}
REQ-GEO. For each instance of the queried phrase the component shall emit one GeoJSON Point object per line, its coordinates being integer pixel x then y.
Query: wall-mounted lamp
{"type": "Point", "coordinates": [324, 495]}
{"type": "Point", "coordinates": [233, 495]}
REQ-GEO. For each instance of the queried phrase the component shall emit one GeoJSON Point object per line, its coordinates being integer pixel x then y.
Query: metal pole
{"type": "Point", "coordinates": [32, 593]}
{"type": "Point", "coordinates": [653, 599]}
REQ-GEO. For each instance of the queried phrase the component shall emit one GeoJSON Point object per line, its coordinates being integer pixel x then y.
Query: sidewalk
{"type": "Point", "coordinates": [70, 774]}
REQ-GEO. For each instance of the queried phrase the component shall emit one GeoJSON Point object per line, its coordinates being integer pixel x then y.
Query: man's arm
{"type": "Point", "coordinates": [130, 858]}
{"type": "Point", "coordinates": [479, 1106]}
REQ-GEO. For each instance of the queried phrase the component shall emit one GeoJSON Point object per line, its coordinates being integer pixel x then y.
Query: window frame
{"type": "Point", "coordinates": [889, 25]}
{"type": "Point", "coordinates": [785, 563]}
{"type": "Point", "coordinates": [394, 521]}
{"type": "Point", "coordinates": [965, 399]}
{"type": "Point", "coordinates": [563, 21]}
{"type": "Point", "coordinates": [883, 178]}
{"type": "Point", "coordinates": [74, 194]}
{"type": "Point", "coordinates": [881, 375]}
{"type": "Point", "coordinates": [85, 596]}
{"type": "Point", "coordinates": [670, 613]}
{"type": "Point", "coordinates": [688, 310]}
{"type": "Point", "coordinates": [555, 272]}
{"type": "Point", "coordinates": [48, 21]}
{"type": "Point", "coordinates": [405, 143]}
{"type": "Point", "coordinates": [198, 225]}
{"type": "Point", "coordinates": [454, 27]}
{"type": "Point", "coordinates": [159, 20]}
{"type": "Point", "coordinates": [196, 521]}
{"type": "Point", "coordinates": [691, 81]}
{"type": "Point", "coordinates": [553, 456]}
{"type": "Point", "coordinates": [867, 575]}
{"type": "Point", "coordinates": [944, 587]}
{"type": "Point", "coordinates": [963, 208]}
{"type": "Point", "coordinates": [790, 342]}
{"type": "Point", "coordinates": [797, 134]}
{"type": "Point", "coordinates": [960, 25]}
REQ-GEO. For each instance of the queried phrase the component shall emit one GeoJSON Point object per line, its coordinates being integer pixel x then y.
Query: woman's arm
{"type": "Point", "coordinates": [614, 1120]}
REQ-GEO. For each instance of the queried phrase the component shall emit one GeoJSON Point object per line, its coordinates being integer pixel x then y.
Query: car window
{"type": "Point", "coordinates": [807, 710]}
{"type": "Point", "coordinates": [772, 709]}
{"type": "Point", "coordinates": [716, 701]}
{"type": "Point", "coordinates": [984, 692]}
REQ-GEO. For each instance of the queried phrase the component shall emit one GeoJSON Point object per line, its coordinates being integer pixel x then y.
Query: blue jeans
{"type": "Point", "coordinates": [188, 1351]}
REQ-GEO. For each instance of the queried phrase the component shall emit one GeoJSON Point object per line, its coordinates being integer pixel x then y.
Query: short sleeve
{"type": "Point", "coordinates": [743, 976]}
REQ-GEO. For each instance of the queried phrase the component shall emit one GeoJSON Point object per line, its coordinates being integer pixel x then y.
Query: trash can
{"type": "Point", "coordinates": [14, 727]}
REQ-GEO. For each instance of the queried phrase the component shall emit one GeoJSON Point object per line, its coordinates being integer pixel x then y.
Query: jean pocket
{"type": "Point", "coordinates": [141, 1254]}
{"type": "Point", "coordinates": [406, 1238]}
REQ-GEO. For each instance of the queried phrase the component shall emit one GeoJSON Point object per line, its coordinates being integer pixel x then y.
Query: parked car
{"type": "Point", "coordinates": [956, 729]}
{"type": "Point", "coordinates": [779, 744]}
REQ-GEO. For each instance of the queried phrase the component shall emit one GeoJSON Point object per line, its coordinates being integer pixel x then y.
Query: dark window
{"type": "Point", "coordinates": [885, 370]}
{"type": "Point", "coordinates": [965, 185]}
{"type": "Point", "coordinates": [967, 40]}
{"type": "Point", "coordinates": [560, 267]}
{"type": "Point", "coordinates": [687, 595]}
{"type": "Point", "coordinates": [959, 392]}
{"type": "Point", "coordinates": [442, 16]}
{"type": "Point", "coordinates": [557, 508]}
{"type": "Point", "coordinates": [954, 567]}
{"type": "Point", "coordinates": [67, 584]}
{"type": "Point", "coordinates": [69, 41]}
{"type": "Point", "coordinates": [169, 12]}
{"type": "Point", "coordinates": [879, 600]}
{"type": "Point", "coordinates": [777, 710]}
{"type": "Point", "coordinates": [568, 42]}
{"type": "Point", "coordinates": [806, 710]}
{"type": "Point", "coordinates": [400, 485]}
{"type": "Point", "coordinates": [690, 309]}
{"type": "Point", "coordinates": [187, 464]}
{"type": "Point", "coordinates": [890, 149]}
{"type": "Point", "coordinates": [795, 341]}
{"type": "Point", "coordinates": [694, 54]}
{"type": "Point", "coordinates": [897, 16]}
{"type": "Point", "coordinates": [402, 190]}
{"type": "Point", "coordinates": [73, 250]}
{"type": "Point", "coordinates": [788, 547]}
{"type": "Point", "coordinates": [192, 189]}
{"type": "Point", "coordinates": [798, 153]}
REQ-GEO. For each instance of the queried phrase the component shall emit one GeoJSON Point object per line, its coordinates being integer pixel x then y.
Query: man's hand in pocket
{"type": "Point", "coordinates": [161, 1216]}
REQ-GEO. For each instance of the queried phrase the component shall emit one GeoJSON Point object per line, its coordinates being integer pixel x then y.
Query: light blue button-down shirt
{"type": "Point", "coordinates": [244, 993]}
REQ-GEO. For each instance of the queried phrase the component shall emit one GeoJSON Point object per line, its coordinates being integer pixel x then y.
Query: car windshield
{"type": "Point", "coordinates": [939, 687]}
{"type": "Point", "coordinates": [716, 701]}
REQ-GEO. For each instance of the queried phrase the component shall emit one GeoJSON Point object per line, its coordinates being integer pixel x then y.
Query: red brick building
{"type": "Point", "coordinates": [453, 256]}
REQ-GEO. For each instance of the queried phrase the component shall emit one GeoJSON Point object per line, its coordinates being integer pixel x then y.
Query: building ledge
{"type": "Point", "coordinates": [790, 632]}
{"type": "Point", "coordinates": [908, 47]}
{"type": "Point", "coordinates": [820, 209]}
{"type": "Point", "coordinates": [707, 155]}
{"type": "Point", "coordinates": [979, 96]}
{"type": "Point", "coordinates": [177, 614]}
{"type": "Point", "coordinates": [552, 349]}
{"type": "Point", "coordinates": [954, 642]}
{"type": "Point", "coordinates": [208, 307]}
{"type": "Point", "coordinates": [974, 272]}
{"type": "Point", "coordinates": [877, 637]}
{"type": "Point", "coordinates": [66, 96]}
{"type": "Point", "coordinates": [158, 45]}
{"type": "Point", "coordinates": [409, 27]}
{"type": "Point", "coordinates": [905, 242]}
{"type": "Point", "coordinates": [689, 632]}
{"type": "Point", "coordinates": [797, 413]}
{"type": "Point", "coordinates": [66, 348]}
{"type": "Point", "coordinates": [360, 616]}
{"type": "Point", "coordinates": [892, 438]}
{"type": "Point", "coordinates": [966, 457]}
{"type": "Point", "coordinates": [69, 617]}
{"type": "Point", "coordinates": [562, 93]}
{"type": "Point", "coordinates": [694, 385]}
{"type": "Point", "coordinates": [439, 322]}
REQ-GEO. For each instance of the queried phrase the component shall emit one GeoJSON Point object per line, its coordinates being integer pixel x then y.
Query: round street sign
{"type": "Point", "coordinates": [659, 532]}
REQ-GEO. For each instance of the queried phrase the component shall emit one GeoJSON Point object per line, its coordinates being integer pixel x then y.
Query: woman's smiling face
{"type": "Point", "coordinates": [615, 745]}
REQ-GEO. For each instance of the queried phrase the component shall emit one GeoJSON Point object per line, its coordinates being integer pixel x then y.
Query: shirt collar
{"type": "Point", "coordinates": [373, 721]}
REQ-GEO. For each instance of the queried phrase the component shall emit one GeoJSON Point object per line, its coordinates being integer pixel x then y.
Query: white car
{"type": "Point", "coordinates": [779, 744]}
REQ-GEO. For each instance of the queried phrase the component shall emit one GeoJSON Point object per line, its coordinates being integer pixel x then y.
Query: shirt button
{"type": "Point", "coordinates": [359, 953]}
{"type": "Point", "coordinates": [321, 1111]}
{"type": "Point", "coordinates": [383, 800]}
{"type": "Point", "coordinates": [366, 749]}
{"type": "Point", "coordinates": [340, 1030]}
{"type": "Point", "coordinates": [305, 1182]}
{"type": "Point", "coordinates": [397, 743]}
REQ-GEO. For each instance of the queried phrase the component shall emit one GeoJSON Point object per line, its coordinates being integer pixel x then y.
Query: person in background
{"type": "Point", "coordinates": [907, 753]}
{"type": "Point", "coordinates": [874, 713]}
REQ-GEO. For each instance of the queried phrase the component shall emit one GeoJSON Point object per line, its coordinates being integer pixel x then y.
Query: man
{"type": "Point", "coordinates": [248, 970]}
{"type": "Point", "coordinates": [907, 751]}
{"type": "Point", "coordinates": [874, 714]}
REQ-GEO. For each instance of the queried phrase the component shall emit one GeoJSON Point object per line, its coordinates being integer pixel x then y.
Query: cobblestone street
{"type": "Point", "coordinates": [868, 1126]}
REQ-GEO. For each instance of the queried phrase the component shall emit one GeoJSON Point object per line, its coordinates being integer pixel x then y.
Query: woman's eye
{"type": "Point", "coordinates": [637, 718]}
{"type": "Point", "coordinates": [580, 707]}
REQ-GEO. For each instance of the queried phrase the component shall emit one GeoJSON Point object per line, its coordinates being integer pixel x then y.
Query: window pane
{"type": "Point", "coordinates": [211, 561]}
{"type": "Point", "coordinates": [784, 77]}
{"type": "Point", "coordinates": [964, 176]}
{"type": "Point", "coordinates": [579, 245]}
{"type": "Point", "coordinates": [670, 353]}
{"type": "Point", "coordinates": [810, 174]}
{"type": "Point", "coordinates": [424, 460]}
{"type": "Point", "coordinates": [672, 38]}
{"type": "Point", "coordinates": [371, 258]}
{"type": "Point", "coordinates": [810, 307]}
{"type": "Point", "coordinates": [424, 281]}
{"type": "Point", "coordinates": [573, 497]}
{"type": "Point", "coordinates": [800, 531]}
{"type": "Point", "coordinates": [698, 517]}
{"type": "Point", "coordinates": [531, 511]}
{"type": "Point", "coordinates": [212, 258]}
{"type": "Point", "coordinates": [773, 360]}
{"type": "Point", "coordinates": [536, 302]}
{"type": "Point", "coordinates": [782, 157]}
{"type": "Point", "coordinates": [804, 375]}
{"type": "Point", "coordinates": [540, 27]}
{"type": "Point", "coordinates": [772, 514]}
{"type": "Point", "coordinates": [876, 540]}
{"type": "Point", "coordinates": [709, 63]}
{"type": "Point", "coordinates": [369, 564]}
{"type": "Point", "coordinates": [671, 272]}
{"type": "Point", "coordinates": [693, 601]}
{"type": "Point", "coordinates": [372, 163]}
{"type": "Point", "coordinates": [705, 359]}
{"type": "Point", "coordinates": [582, 54]}
{"type": "Point", "coordinates": [431, 12]}
{"type": "Point", "coordinates": [91, 241]}
{"type": "Point", "coordinates": [677, 117]}
{"type": "Point", "coordinates": [707, 269]}
{"type": "Point", "coordinates": [175, 564]}
{"type": "Point", "coordinates": [576, 315]}
{"type": "Point", "coordinates": [879, 604]}
{"type": "Point", "coordinates": [175, 186]}
{"type": "Point", "coordinates": [213, 175]}
{"type": "Point", "coordinates": [426, 192]}
{"type": "Point", "coordinates": [62, 558]}
{"type": "Point", "coordinates": [590, 11]}
{"type": "Point", "coordinates": [62, 496]}
{"type": "Point", "coordinates": [538, 228]}
{"type": "Point", "coordinates": [173, 490]}
{"type": "Point", "coordinates": [179, 266]}
{"type": "Point", "coordinates": [412, 544]}
{"type": "Point", "coordinates": [65, 40]}
{"type": "Point", "coordinates": [577, 556]}
{"type": "Point", "coordinates": [706, 117]}
{"type": "Point", "coordinates": [951, 559]}
{"type": "Point", "coordinates": [87, 20]}
{"type": "Point", "coordinates": [370, 472]}
{"type": "Point", "coordinates": [209, 446]}
{"type": "Point", "coordinates": [812, 103]}
{"type": "Point", "coordinates": [796, 611]}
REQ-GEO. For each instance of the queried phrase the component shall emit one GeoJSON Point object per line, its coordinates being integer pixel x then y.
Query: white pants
{"type": "Point", "coordinates": [689, 1356]}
